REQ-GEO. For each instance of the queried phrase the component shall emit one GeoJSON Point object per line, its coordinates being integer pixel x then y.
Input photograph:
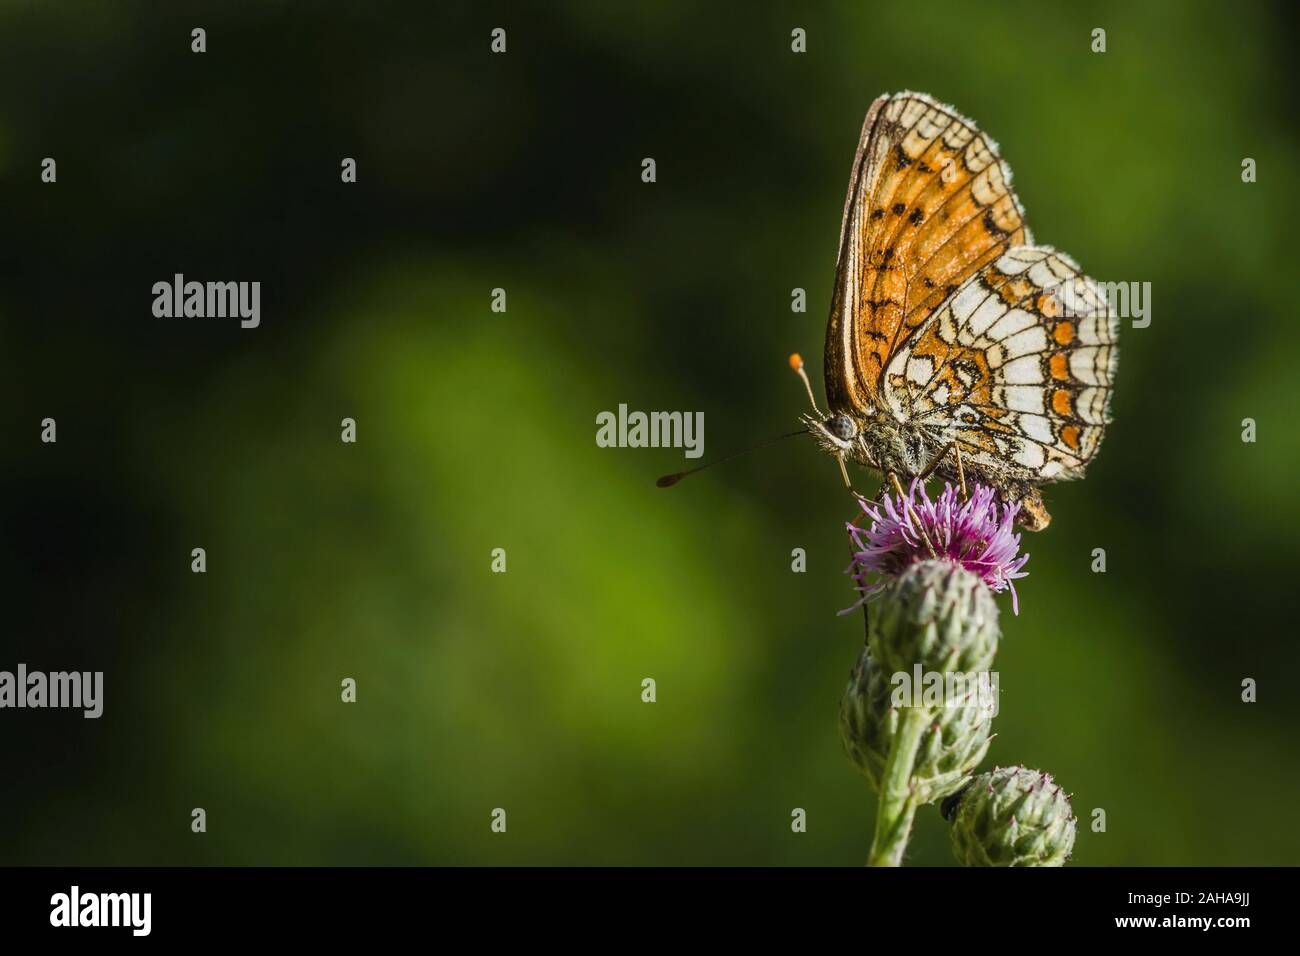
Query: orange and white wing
{"type": "Point", "coordinates": [929, 205]}
{"type": "Point", "coordinates": [1016, 366]}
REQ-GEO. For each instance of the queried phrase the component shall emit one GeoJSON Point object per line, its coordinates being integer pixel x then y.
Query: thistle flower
{"type": "Point", "coordinates": [975, 535]}
{"type": "Point", "coordinates": [1011, 817]}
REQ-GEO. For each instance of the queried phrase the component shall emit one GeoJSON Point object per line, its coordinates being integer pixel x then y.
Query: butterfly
{"type": "Point", "coordinates": [956, 346]}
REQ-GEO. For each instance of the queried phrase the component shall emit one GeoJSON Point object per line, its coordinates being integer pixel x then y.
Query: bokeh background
{"type": "Point", "coordinates": [476, 429]}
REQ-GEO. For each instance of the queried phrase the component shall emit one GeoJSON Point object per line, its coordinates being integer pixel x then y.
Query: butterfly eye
{"type": "Point", "coordinates": [842, 427]}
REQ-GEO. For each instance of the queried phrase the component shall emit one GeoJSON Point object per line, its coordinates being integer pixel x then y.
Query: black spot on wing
{"type": "Point", "coordinates": [994, 229]}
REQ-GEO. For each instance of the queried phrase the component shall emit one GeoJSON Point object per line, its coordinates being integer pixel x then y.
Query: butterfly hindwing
{"type": "Point", "coordinates": [1016, 366]}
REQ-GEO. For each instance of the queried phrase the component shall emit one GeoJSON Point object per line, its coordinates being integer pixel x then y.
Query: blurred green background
{"type": "Point", "coordinates": [476, 429]}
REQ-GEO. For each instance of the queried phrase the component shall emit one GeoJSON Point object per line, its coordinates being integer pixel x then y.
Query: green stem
{"type": "Point", "coordinates": [897, 806]}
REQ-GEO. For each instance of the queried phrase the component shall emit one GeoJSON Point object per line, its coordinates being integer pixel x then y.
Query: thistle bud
{"type": "Point", "coordinates": [954, 740]}
{"type": "Point", "coordinates": [1011, 817]}
{"type": "Point", "coordinates": [936, 614]}
{"type": "Point", "coordinates": [867, 721]}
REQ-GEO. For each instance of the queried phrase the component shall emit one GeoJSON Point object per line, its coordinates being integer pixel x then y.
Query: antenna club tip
{"type": "Point", "coordinates": [796, 361]}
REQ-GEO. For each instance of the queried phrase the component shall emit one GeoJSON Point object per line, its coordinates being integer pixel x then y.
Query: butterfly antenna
{"type": "Point", "coordinates": [796, 363]}
{"type": "Point", "coordinates": [667, 481]}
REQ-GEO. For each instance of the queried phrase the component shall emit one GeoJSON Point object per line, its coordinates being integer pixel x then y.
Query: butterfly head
{"type": "Point", "coordinates": [842, 427]}
{"type": "Point", "coordinates": [838, 434]}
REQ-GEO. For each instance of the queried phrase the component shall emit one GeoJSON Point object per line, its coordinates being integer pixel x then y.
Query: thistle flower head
{"type": "Point", "coordinates": [936, 614]}
{"type": "Point", "coordinates": [1011, 817]}
{"type": "Point", "coordinates": [975, 534]}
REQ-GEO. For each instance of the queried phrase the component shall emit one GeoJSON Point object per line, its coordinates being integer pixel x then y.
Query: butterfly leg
{"type": "Point", "coordinates": [844, 473]}
{"type": "Point", "coordinates": [953, 447]}
{"type": "Point", "coordinates": [853, 559]}
{"type": "Point", "coordinates": [880, 495]}
{"type": "Point", "coordinates": [866, 614]}
{"type": "Point", "coordinates": [911, 514]}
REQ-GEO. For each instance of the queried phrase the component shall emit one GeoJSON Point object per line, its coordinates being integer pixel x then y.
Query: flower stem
{"type": "Point", "coordinates": [897, 805]}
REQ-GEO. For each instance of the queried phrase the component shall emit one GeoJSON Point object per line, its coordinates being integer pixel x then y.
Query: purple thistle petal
{"type": "Point", "coordinates": [975, 534]}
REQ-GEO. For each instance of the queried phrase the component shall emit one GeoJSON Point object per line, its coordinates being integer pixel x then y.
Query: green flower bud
{"type": "Point", "coordinates": [867, 722]}
{"type": "Point", "coordinates": [936, 614]}
{"type": "Point", "coordinates": [1011, 817]}
{"type": "Point", "coordinates": [952, 744]}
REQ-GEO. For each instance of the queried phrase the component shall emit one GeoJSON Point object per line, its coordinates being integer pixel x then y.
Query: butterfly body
{"type": "Point", "coordinates": [950, 331]}
{"type": "Point", "coordinates": [884, 445]}
{"type": "Point", "coordinates": [877, 442]}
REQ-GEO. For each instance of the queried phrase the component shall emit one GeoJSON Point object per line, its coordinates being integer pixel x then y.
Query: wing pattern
{"type": "Point", "coordinates": [1016, 366]}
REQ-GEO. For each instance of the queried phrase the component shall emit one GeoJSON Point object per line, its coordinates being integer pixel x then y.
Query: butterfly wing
{"type": "Point", "coordinates": [929, 204]}
{"type": "Point", "coordinates": [1015, 366]}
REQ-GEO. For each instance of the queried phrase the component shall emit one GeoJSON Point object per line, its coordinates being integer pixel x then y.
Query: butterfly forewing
{"type": "Point", "coordinates": [928, 205]}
